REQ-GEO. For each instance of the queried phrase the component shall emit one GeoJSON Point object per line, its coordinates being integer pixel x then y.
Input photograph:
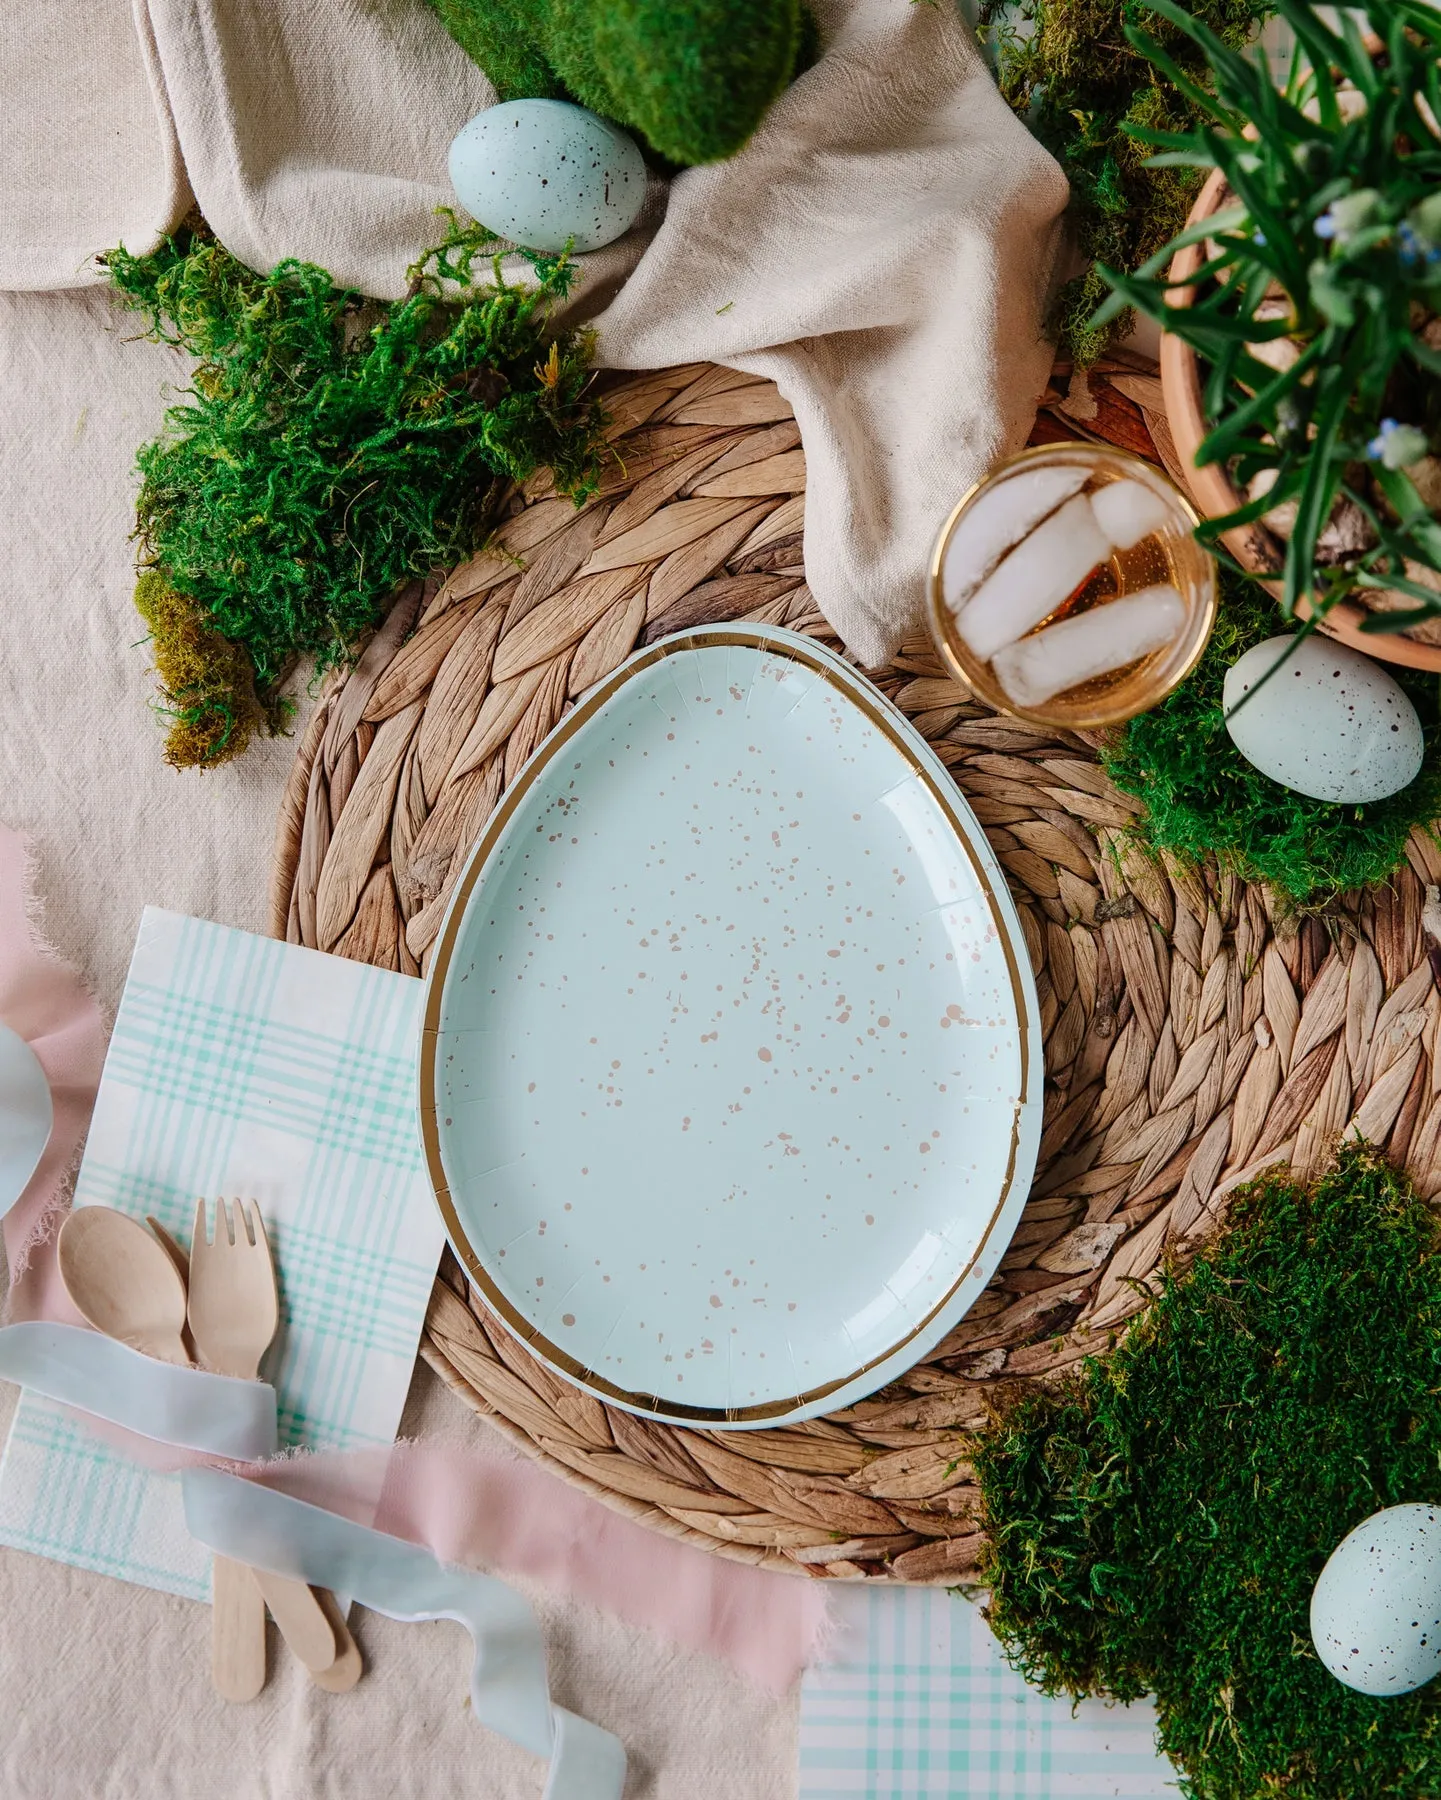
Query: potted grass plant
{"type": "Point", "coordinates": [1301, 361]}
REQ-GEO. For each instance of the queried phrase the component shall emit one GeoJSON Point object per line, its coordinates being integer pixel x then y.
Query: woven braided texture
{"type": "Point", "coordinates": [1191, 1033]}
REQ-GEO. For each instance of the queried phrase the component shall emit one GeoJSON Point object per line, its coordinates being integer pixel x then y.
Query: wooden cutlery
{"type": "Point", "coordinates": [133, 1287]}
{"type": "Point", "coordinates": [233, 1313]}
{"type": "Point", "coordinates": [127, 1284]}
{"type": "Point", "coordinates": [123, 1283]}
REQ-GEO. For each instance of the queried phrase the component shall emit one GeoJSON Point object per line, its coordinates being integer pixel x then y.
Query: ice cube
{"type": "Point", "coordinates": [1093, 643]}
{"type": "Point", "coordinates": [1127, 511]}
{"type": "Point", "coordinates": [1042, 571]}
{"type": "Point", "coordinates": [999, 519]}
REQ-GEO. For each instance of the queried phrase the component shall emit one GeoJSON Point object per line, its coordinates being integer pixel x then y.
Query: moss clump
{"type": "Point", "coordinates": [1158, 1521]}
{"type": "Point", "coordinates": [332, 447]}
{"type": "Point", "coordinates": [208, 684]}
{"type": "Point", "coordinates": [1067, 68]}
{"type": "Point", "coordinates": [1202, 795]}
{"type": "Point", "coordinates": [693, 79]}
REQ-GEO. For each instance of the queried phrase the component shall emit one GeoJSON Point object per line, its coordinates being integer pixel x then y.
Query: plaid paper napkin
{"type": "Point", "coordinates": [917, 1701]}
{"type": "Point", "coordinates": [240, 1066]}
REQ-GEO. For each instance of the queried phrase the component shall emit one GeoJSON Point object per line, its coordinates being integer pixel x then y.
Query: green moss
{"type": "Point", "coordinates": [1202, 795]}
{"type": "Point", "coordinates": [499, 37]}
{"type": "Point", "coordinates": [692, 80]}
{"type": "Point", "coordinates": [207, 683]}
{"type": "Point", "coordinates": [1159, 1520]}
{"type": "Point", "coordinates": [1067, 68]}
{"type": "Point", "coordinates": [331, 447]}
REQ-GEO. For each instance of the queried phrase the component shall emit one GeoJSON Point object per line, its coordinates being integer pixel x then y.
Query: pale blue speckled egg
{"type": "Point", "coordinates": [543, 173]}
{"type": "Point", "coordinates": [1376, 1608]}
{"type": "Point", "coordinates": [1329, 723]}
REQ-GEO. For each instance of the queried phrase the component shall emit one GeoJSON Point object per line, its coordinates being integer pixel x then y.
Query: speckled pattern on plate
{"type": "Point", "coordinates": [730, 1078]}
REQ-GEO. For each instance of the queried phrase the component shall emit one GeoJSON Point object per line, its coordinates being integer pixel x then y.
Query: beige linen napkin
{"type": "Point", "coordinates": [321, 132]}
{"type": "Point", "coordinates": [882, 247]}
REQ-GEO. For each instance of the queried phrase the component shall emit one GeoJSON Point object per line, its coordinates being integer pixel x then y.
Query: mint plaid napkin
{"type": "Point", "coordinates": [917, 1701]}
{"type": "Point", "coordinates": [240, 1066]}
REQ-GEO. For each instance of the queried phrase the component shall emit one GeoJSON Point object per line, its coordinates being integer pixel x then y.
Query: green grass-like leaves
{"type": "Point", "coordinates": [332, 447]}
{"type": "Point", "coordinates": [1202, 795]}
{"type": "Point", "coordinates": [1067, 67]}
{"type": "Point", "coordinates": [1158, 1522]}
{"type": "Point", "coordinates": [1332, 237]}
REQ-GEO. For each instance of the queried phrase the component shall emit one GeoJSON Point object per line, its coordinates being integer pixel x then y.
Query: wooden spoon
{"type": "Point", "coordinates": [132, 1285]}
{"type": "Point", "coordinates": [123, 1283]}
{"type": "Point", "coordinates": [181, 1258]}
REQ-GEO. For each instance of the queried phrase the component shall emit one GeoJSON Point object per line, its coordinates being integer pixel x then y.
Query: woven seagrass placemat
{"type": "Point", "coordinates": [1191, 1031]}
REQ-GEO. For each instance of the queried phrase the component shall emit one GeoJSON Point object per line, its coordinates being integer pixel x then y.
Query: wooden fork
{"type": "Point", "coordinates": [234, 1311]}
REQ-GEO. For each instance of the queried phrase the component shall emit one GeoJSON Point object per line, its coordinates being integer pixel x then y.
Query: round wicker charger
{"type": "Point", "coordinates": [1191, 1034]}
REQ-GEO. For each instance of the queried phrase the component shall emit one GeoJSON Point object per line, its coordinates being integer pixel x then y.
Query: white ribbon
{"type": "Point", "coordinates": [508, 1687]}
{"type": "Point", "coordinates": [218, 1416]}
{"type": "Point", "coordinates": [191, 1409]}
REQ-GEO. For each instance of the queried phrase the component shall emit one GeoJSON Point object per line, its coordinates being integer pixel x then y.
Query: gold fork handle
{"type": "Point", "coordinates": [237, 1627]}
{"type": "Point", "coordinates": [301, 1618]}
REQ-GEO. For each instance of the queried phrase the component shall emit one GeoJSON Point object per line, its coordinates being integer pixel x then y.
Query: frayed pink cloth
{"type": "Point", "coordinates": [44, 1000]}
{"type": "Point", "coordinates": [512, 1517]}
{"type": "Point", "coordinates": [473, 1508]}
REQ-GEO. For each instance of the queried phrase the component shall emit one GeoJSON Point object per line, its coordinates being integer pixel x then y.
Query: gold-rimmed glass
{"type": "Point", "coordinates": [1171, 555]}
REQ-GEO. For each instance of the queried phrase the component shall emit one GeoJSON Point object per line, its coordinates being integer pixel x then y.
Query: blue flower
{"type": "Point", "coordinates": [1350, 214]}
{"type": "Point", "coordinates": [1425, 220]}
{"type": "Point", "coordinates": [1397, 446]}
{"type": "Point", "coordinates": [1415, 249]}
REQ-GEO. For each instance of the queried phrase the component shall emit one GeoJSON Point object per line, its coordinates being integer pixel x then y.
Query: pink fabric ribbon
{"type": "Point", "coordinates": [466, 1505]}
{"type": "Point", "coordinates": [481, 1510]}
{"type": "Point", "coordinates": [477, 1509]}
{"type": "Point", "coordinates": [46, 1002]}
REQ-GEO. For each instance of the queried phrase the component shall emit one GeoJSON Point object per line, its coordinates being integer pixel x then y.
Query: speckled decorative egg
{"type": "Point", "coordinates": [1330, 724]}
{"type": "Point", "coordinates": [1376, 1608]}
{"type": "Point", "coordinates": [544, 173]}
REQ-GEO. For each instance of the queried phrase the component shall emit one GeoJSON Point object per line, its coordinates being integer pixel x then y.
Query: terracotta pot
{"type": "Point", "coordinates": [1211, 486]}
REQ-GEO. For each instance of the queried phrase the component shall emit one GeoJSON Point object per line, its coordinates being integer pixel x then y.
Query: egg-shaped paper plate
{"type": "Point", "coordinates": [730, 1070]}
